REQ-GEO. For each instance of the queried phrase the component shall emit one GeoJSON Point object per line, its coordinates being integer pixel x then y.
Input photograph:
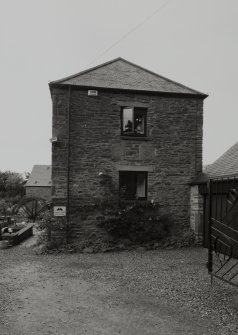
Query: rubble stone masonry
{"type": "Point", "coordinates": [43, 192]}
{"type": "Point", "coordinates": [171, 153]}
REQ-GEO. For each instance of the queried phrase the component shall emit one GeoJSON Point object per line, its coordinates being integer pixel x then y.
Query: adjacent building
{"type": "Point", "coordinates": [224, 169]}
{"type": "Point", "coordinates": [39, 182]}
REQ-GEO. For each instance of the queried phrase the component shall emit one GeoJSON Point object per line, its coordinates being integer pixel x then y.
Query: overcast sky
{"type": "Point", "coordinates": [194, 42]}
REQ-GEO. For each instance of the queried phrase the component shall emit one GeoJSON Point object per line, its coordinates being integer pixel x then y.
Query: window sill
{"type": "Point", "coordinates": [133, 201]}
{"type": "Point", "coordinates": [136, 138]}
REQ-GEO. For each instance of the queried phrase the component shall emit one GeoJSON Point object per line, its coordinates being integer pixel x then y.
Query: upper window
{"type": "Point", "coordinates": [133, 121]}
{"type": "Point", "coordinates": [133, 185]}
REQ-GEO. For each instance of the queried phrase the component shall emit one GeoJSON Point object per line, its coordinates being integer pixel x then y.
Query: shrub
{"type": "Point", "coordinates": [45, 223]}
{"type": "Point", "coordinates": [11, 185]}
{"type": "Point", "coordinates": [139, 222]}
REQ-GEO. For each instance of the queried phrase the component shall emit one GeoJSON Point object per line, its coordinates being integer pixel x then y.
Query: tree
{"type": "Point", "coordinates": [11, 188]}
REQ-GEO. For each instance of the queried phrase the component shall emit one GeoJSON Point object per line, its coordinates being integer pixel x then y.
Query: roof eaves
{"type": "Point", "coordinates": [164, 93]}
{"type": "Point", "coordinates": [165, 78]}
{"type": "Point", "coordinates": [202, 178]}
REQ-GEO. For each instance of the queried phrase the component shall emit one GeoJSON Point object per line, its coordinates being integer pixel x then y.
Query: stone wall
{"type": "Point", "coordinates": [196, 212]}
{"type": "Point", "coordinates": [43, 192]}
{"type": "Point", "coordinates": [172, 152]}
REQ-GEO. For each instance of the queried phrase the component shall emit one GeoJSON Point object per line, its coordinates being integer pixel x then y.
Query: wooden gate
{"type": "Point", "coordinates": [223, 229]}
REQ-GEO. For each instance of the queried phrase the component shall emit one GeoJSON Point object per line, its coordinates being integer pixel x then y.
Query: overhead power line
{"type": "Point", "coordinates": [138, 25]}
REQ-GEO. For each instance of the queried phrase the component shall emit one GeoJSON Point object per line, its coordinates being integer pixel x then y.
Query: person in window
{"type": "Point", "coordinates": [139, 126]}
{"type": "Point", "coordinates": [128, 126]}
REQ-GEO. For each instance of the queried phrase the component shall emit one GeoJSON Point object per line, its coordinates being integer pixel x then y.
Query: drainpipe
{"type": "Point", "coordinates": [210, 254]}
{"type": "Point", "coordinates": [68, 169]}
{"type": "Point", "coordinates": [196, 135]}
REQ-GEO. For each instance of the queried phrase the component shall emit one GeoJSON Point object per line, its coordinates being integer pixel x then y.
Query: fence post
{"type": "Point", "coordinates": [210, 227]}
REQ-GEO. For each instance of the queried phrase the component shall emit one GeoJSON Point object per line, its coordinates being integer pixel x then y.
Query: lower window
{"type": "Point", "coordinates": [133, 185]}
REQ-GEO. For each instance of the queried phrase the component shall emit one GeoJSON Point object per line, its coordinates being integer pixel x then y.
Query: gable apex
{"type": "Point", "coordinates": [121, 74]}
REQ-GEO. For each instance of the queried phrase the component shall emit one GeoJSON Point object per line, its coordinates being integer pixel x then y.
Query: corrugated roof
{"type": "Point", "coordinates": [121, 74]}
{"type": "Point", "coordinates": [225, 166]}
{"type": "Point", "coordinates": [40, 176]}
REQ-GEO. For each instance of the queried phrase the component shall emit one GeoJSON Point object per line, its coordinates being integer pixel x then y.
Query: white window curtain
{"type": "Point", "coordinates": [140, 187]}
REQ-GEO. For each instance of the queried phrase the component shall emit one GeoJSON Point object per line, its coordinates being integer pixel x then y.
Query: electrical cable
{"type": "Point", "coordinates": [138, 25]}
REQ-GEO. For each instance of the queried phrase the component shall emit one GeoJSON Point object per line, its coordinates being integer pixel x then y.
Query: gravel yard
{"type": "Point", "coordinates": [152, 292]}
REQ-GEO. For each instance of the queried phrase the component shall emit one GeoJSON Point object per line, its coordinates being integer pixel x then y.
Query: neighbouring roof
{"type": "Point", "coordinates": [40, 176]}
{"type": "Point", "coordinates": [122, 74]}
{"type": "Point", "coordinates": [224, 166]}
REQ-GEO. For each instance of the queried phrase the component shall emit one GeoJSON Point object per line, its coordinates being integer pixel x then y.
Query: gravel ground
{"type": "Point", "coordinates": [128, 293]}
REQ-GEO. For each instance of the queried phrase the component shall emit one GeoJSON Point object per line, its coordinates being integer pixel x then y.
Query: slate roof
{"type": "Point", "coordinates": [40, 176]}
{"type": "Point", "coordinates": [122, 74]}
{"type": "Point", "coordinates": [224, 166]}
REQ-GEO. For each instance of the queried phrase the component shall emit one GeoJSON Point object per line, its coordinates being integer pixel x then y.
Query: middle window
{"type": "Point", "coordinates": [133, 121]}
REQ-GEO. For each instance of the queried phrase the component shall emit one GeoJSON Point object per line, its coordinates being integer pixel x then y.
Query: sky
{"type": "Point", "coordinates": [194, 42]}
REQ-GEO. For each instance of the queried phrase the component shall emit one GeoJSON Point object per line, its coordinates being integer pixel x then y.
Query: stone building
{"type": "Point", "coordinates": [122, 131]}
{"type": "Point", "coordinates": [39, 182]}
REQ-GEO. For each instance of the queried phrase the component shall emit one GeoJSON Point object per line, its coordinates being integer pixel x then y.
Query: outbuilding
{"type": "Point", "coordinates": [224, 172]}
{"type": "Point", "coordinates": [39, 183]}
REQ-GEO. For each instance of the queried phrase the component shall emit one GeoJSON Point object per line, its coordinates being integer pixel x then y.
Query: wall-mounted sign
{"type": "Point", "coordinates": [59, 210]}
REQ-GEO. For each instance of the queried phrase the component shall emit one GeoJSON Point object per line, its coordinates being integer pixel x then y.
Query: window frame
{"type": "Point", "coordinates": [124, 198]}
{"type": "Point", "coordinates": [134, 134]}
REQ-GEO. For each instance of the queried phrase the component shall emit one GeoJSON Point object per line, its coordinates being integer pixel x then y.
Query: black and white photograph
{"type": "Point", "coordinates": [118, 167]}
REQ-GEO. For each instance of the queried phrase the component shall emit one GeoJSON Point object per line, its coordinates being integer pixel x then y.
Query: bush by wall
{"type": "Point", "coordinates": [139, 222]}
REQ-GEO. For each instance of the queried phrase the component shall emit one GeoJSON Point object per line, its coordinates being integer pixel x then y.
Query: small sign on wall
{"type": "Point", "coordinates": [59, 210]}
